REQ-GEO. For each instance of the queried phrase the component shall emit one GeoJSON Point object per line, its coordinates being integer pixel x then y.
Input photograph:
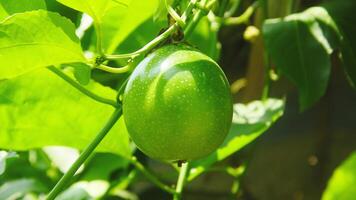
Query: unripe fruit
{"type": "Point", "coordinates": [177, 104]}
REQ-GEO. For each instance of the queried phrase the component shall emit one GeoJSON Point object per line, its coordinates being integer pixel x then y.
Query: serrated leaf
{"type": "Point", "coordinates": [94, 8]}
{"type": "Point", "coordinates": [41, 109]}
{"type": "Point", "coordinates": [36, 39]}
{"type": "Point", "coordinates": [301, 52]}
{"type": "Point", "coordinates": [9, 7]}
{"type": "Point", "coordinates": [341, 185]}
{"type": "Point", "coordinates": [249, 122]}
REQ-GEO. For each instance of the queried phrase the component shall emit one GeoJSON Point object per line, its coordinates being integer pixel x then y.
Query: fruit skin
{"type": "Point", "coordinates": [177, 104]}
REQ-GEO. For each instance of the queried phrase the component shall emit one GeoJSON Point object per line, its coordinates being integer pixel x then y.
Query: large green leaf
{"type": "Point", "coordinates": [36, 39]}
{"type": "Point", "coordinates": [9, 7]}
{"type": "Point", "coordinates": [40, 109]}
{"type": "Point", "coordinates": [118, 25]}
{"type": "Point", "coordinates": [249, 122]}
{"type": "Point", "coordinates": [96, 8]}
{"type": "Point", "coordinates": [344, 16]}
{"type": "Point", "coordinates": [341, 185]}
{"type": "Point", "coordinates": [301, 52]}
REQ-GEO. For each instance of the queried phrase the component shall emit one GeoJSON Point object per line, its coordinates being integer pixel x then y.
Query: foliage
{"type": "Point", "coordinates": [64, 65]}
{"type": "Point", "coordinates": [342, 180]}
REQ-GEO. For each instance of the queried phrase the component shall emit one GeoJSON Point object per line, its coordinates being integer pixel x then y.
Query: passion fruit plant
{"type": "Point", "coordinates": [169, 97]}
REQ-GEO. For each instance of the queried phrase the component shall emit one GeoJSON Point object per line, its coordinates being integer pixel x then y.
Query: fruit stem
{"type": "Point", "coordinates": [81, 88]}
{"type": "Point", "coordinates": [113, 70]}
{"type": "Point", "coordinates": [150, 176]}
{"type": "Point", "coordinates": [66, 178]}
{"type": "Point", "coordinates": [183, 173]}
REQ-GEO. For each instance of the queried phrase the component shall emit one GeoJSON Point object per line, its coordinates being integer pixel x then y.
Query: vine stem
{"type": "Point", "coordinates": [151, 177]}
{"type": "Point", "coordinates": [165, 34]}
{"type": "Point", "coordinates": [99, 36]}
{"type": "Point", "coordinates": [64, 181]}
{"type": "Point", "coordinates": [192, 24]}
{"type": "Point", "coordinates": [243, 18]}
{"type": "Point", "coordinates": [147, 47]}
{"type": "Point", "coordinates": [113, 70]}
{"type": "Point", "coordinates": [81, 88]}
{"type": "Point", "coordinates": [183, 173]}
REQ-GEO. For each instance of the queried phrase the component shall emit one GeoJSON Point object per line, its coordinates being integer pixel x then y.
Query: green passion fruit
{"type": "Point", "coordinates": [177, 104]}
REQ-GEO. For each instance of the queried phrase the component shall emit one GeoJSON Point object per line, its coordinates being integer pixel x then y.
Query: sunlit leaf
{"type": "Point", "coordinates": [118, 25]}
{"type": "Point", "coordinates": [9, 7]}
{"type": "Point", "coordinates": [95, 8]}
{"type": "Point", "coordinates": [17, 188]}
{"type": "Point", "coordinates": [40, 109]}
{"type": "Point", "coordinates": [85, 190]}
{"type": "Point", "coordinates": [74, 193]}
{"type": "Point", "coordinates": [36, 39]}
{"type": "Point", "coordinates": [341, 185]}
{"type": "Point", "coordinates": [249, 122]}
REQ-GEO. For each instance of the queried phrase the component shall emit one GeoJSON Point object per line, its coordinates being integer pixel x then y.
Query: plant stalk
{"type": "Point", "coordinates": [66, 178]}
{"type": "Point", "coordinates": [183, 173]}
{"type": "Point", "coordinates": [150, 176]}
{"type": "Point", "coordinates": [81, 88]}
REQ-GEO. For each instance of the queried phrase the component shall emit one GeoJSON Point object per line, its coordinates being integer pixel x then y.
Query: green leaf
{"type": "Point", "coordinates": [119, 24]}
{"type": "Point", "coordinates": [17, 188]}
{"type": "Point", "coordinates": [74, 193]}
{"type": "Point", "coordinates": [36, 39]}
{"type": "Point", "coordinates": [97, 169]}
{"type": "Point", "coordinates": [249, 121]}
{"type": "Point", "coordinates": [82, 72]}
{"type": "Point", "coordinates": [3, 157]}
{"type": "Point", "coordinates": [205, 39]}
{"type": "Point", "coordinates": [301, 52]}
{"type": "Point", "coordinates": [9, 7]}
{"type": "Point", "coordinates": [85, 190]}
{"type": "Point", "coordinates": [96, 8]}
{"type": "Point", "coordinates": [40, 109]}
{"type": "Point", "coordinates": [344, 16]}
{"type": "Point", "coordinates": [341, 185]}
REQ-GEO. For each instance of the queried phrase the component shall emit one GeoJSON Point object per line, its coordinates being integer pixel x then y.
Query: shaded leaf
{"type": "Point", "coordinates": [341, 185]}
{"type": "Point", "coordinates": [82, 72]}
{"type": "Point", "coordinates": [249, 122]}
{"type": "Point", "coordinates": [4, 155]}
{"type": "Point", "coordinates": [301, 52]}
{"type": "Point", "coordinates": [36, 39]}
{"type": "Point", "coordinates": [40, 109]}
{"type": "Point", "coordinates": [99, 169]}
{"type": "Point", "coordinates": [344, 16]}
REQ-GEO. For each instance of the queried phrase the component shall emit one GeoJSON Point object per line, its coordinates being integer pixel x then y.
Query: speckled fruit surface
{"type": "Point", "coordinates": [177, 104]}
